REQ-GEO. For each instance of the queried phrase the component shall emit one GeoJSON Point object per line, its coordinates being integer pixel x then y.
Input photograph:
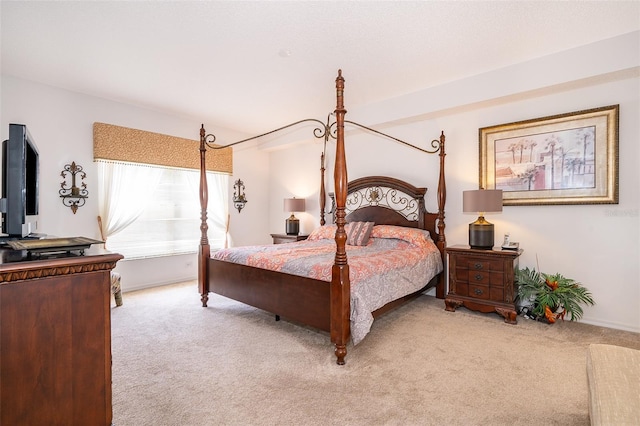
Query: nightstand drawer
{"type": "Point", "coordinates": [478, 277]}
{"type": "Point", "coordinates": [479, 292]}
{"type": "Point", "coordinates": [495, 293]}
{"type": "Point", "coordinates": [485, 278]}
{"type": "Point", "coordinates": [475, 264]}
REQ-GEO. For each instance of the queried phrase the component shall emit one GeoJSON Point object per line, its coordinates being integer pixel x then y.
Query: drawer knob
{"type": "Point", "coordinates": [477, 291]}
{"type": "Point", "coordinates": [478, 265]}
{"type": "Point", "coordinates": [478, 277]}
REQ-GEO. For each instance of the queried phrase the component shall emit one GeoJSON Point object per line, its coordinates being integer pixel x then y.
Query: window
{"type": "Point", "coordinates": [155, 211]}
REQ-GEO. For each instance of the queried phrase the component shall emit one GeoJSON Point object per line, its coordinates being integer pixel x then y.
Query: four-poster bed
{"type": "Point", "coordinates": [326, 304]}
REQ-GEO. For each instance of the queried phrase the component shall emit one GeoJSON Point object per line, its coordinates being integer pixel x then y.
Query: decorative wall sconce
{"type": "Point", "coordinates": [73, 196]}
{"type": "Point", "coordinates": [239, 199]}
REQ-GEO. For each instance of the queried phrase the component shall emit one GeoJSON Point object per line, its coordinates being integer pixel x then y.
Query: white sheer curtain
{"type": "Point", "coordinates": [124, 192]}
{"type": "Point", "coordinates": [218, 206]}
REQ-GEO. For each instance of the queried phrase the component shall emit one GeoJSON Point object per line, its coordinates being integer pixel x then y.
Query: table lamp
{"type": "Point", "coordinates": [292, 224]}
{"type": "Point", "coordinates": [481, 201]}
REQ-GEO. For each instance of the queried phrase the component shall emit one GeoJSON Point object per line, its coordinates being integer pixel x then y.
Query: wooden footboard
{"type": "Point", "coordinates": [295, 298]}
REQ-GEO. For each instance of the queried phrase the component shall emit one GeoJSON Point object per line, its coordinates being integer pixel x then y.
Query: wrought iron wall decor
{"type": "Point", "coordinates": [239, 199]}
{"type": "Point", "coordinates": [73, 196]}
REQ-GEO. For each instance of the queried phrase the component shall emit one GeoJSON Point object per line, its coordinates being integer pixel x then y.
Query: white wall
{"type": "Point", "coordinates": [61, 123]}
{"type": "Point", "coordinates": [598, 245]}
{"type": "Point", "coordinates": [250, 226]}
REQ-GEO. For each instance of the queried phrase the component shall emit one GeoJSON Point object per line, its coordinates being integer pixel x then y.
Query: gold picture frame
{"type": "Point", "coordinates": [561, 159]}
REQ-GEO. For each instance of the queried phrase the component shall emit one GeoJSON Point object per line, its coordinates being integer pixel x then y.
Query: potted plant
{"type": "Point", "coordinates": [551, 296]}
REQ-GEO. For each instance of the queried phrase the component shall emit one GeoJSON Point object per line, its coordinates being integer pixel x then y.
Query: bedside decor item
{"type": "Point", "coordinates": [292, 224]}
{"type": "Point", "coordinates": [562, 159]}
{"type": "Point", "coordinates": [507, 244]}
{"type": "Point", "coordinates": [239, 199]}
{"type": "Point", "coordinates": [548, 297]}
{"type": "Point", "coordinates": [511, 246]}
{"type": "Point", "coordinates": [73, 196]}
{"type": "Point", "coordinates": [481, 201]}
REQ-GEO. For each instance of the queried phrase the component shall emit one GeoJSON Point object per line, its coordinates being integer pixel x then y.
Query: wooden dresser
{"type": "Point", "coordinates": [55, 339]}
{"type": "Point", "coordinates": [482, 280]}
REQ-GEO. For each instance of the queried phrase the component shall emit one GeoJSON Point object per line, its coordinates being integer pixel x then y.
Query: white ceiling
{"type": "Point", "coordinates": [251, 66]}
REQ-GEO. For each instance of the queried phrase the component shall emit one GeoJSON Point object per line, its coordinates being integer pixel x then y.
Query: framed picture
{"type": "Point", "coordinates": [562, 159]}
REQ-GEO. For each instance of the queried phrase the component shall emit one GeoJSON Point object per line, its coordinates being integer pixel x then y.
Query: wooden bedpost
{"type": "Point", "coordinates": [340, 285]}
{"type": "Point", "coordinates": [442, 198]}
{"type": "Point", "coordinates": [204, 251]}
{"type": "Point", "coordinates": [323, 195]}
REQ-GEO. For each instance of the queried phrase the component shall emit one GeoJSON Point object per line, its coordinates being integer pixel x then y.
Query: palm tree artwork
{"type": "Point", "coordinates": [561, 159]}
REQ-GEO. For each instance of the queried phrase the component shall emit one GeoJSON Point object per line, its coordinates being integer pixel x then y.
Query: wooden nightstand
{"type": "Point", "coordinates": [482, 280]}
{"type": "Point", "coordinates": [284, 238]}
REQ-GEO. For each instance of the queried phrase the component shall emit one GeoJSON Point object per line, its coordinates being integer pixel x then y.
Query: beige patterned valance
{"type": "Point", "coordinates": [137, 146]}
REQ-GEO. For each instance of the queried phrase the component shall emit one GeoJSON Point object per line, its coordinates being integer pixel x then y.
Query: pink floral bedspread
{"type": "Point", "coordinates": [396, 261]}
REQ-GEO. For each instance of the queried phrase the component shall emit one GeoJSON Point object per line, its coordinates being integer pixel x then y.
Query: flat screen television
{"type": "Point", "coordinates": [20, 175]}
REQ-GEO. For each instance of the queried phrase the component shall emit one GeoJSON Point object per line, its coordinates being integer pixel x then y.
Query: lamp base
{"type": "Point", "coordinates": [292, 225]}
{"type": "Point", "coordinates": [481, 235]}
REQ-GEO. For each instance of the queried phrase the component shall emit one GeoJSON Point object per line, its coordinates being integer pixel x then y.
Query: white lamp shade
{"type": "Point", "coordinates": [294, 205]}
{"type": "Point", "coordinates": [482, 200]}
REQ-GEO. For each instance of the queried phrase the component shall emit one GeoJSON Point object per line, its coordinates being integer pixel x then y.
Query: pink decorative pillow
{"type": "Point", "coordinates": [415, 236]}
{"type": "Point", "coordinates": [358, 233]}
{"type": "Point", "coordinates": [323, 232]}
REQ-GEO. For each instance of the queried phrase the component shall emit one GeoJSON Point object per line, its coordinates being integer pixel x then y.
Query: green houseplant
{"type": "Point", "coordinates": [551, 296]}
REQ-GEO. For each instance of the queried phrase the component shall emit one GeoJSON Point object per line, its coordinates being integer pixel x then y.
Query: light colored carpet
{"type": "Point", "coordinates": [176, 363]}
